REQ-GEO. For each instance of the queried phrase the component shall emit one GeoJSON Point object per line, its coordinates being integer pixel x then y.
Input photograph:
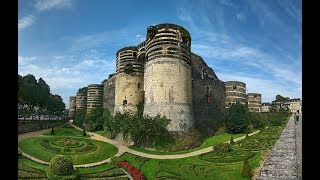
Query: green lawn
{"type": "Point", "coordinates": [212, 165]}
{"type": "Point", "coordinates": [66, 131]}
{"type": "Point", "coordinates": [33, 164]}
{"type": "Point", "coordinates": [207, 143]}
{"type": "Point", "coordinates": [33, 147]}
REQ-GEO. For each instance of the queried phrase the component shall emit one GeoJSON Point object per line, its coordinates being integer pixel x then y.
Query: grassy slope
{"type": "Point", "coordinates": [207, 143]}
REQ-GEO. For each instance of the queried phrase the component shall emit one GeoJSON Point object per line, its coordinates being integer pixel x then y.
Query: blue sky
{"type": "Point", "coordinates": [72, 43]}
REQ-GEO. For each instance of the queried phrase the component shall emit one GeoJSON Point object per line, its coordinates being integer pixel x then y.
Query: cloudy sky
{"type": "Point", "coordinates": [72, 43]}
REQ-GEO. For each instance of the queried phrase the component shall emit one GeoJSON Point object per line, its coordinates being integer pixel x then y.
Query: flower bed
{"type": "Point", "coordinates": [135, 173]}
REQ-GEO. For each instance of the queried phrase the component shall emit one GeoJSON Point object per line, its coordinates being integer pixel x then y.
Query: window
{"type": "Point", "coordinates": [125, 102]}
{"type": "Point", "coordinates": [207, 90]}
{"type": "Point", "coordinates": [234, 87]}
{"type": "Point", "coordinates": [134, 54]}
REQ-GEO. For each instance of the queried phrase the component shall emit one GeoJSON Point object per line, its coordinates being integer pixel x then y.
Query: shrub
{"type": "Point", "coordinates": [222, 147]}
{"type": "Point", "coordinates": [52, 131]}
{"type": "Point", "coordinates": [236, 119]}
{"type": "Point", "coordinates": [257, 119]}
{"type": "Point", "coordinates": [20, 154]}
{"type": "Point", "coordinates": [246, 169]}
{"type": "Point", "coordinates": [221, 130]}
{"type": "Point", "coordinates": [61, 166]}
{"type": "Point", "coordinates": [231, 141]}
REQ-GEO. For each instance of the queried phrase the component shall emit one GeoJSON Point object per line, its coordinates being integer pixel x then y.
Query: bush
{"type": "Point", "coordinates": [246, 169]}
{"type": "Point", "coordinates": [184, 141]}
{"type": "Point", "coordinates": [236, 119]}
{"type": "Point", "coordinates": [257, 119]}
{"type": "Point", "coordinates": [231, 141]}
{"type": "Point", "coordinates": [61, 166]}
{"type": "Point", "coordinates": [222, 147]}
{"type": "Point", "coordinates": [221, 130]}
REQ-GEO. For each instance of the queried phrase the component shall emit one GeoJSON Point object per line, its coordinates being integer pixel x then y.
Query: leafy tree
{"type": "Point", "coordinates": [94, 119]}
{"type": "Point", "coordinates": [236, 119]}
{"type": "Point", "coordinates": [79, 117]}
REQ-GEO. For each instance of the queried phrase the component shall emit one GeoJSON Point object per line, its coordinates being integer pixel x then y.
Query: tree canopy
{"type": "Point", "coordinates": [36, 93]}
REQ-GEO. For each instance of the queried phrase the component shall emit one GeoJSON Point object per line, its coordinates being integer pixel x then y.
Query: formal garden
{"type": "Point", "coordinates": [64, 151]}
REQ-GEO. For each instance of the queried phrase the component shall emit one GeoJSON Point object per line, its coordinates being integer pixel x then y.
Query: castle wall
{"type": "Point", "coordinates": [254, 102]}
{"type": "Point", "coordinates": [109, 94]}
{"type": "Point", "coordinates": [94, 96]}
{"type": "Point", "coordinates": [235, 92]}
{"type": "Point", "coordinates": [208, 92]}
{"type": "Point", "coordinates": [81, 101]}
{"type": "Point", "coordinates": [167, 76]}
{"type": "Point", "coordinates": [129, 81]}
{"type": "Point", "coordinates": [72, 106]}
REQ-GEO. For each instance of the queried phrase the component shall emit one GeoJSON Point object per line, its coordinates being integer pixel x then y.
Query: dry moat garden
{"type": "Point", "coordinates": [226, 161]}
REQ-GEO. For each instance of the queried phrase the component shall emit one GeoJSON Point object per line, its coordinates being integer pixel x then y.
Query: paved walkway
{"type": "Point", "coordinates": [122, 148]}
{"type": "Point", "coordinates": [281, 162]}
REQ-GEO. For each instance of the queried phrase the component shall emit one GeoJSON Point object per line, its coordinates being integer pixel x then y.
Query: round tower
{"type": "Point", "coordinates": [129, 80]}
{"type": "Point", "coordinates": [72, 106]}
{"type": "Point", "coordinates": [254, 102]}
{"type": "Point", "coordinates": [235, 92]}
{"type": "Point", "coordinates": [81, 101]}
{"type": "Point", "coordinates": [94, 96]}
{"type": "Point", "coordinates": [167, 75]}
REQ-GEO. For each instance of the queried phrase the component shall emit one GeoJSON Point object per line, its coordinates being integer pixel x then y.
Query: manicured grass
{"type": "Point", "coordinates": [66, 131]}
{"type": "Point", "coordinates": [33, 164]}
{"type": "Point", "coordinates": [102, 133]}
{"type": "Point", "coordinates": [95, 169]}
{"type": "Point", "coordinates": [212, 165]}
{"type": "Point", "coordinates": [207, 143]}
{"type": "Point", "coordinates": [33, 147]}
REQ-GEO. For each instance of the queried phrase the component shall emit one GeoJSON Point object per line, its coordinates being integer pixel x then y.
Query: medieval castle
{"type": "Point", "coordinates": [164, 75]}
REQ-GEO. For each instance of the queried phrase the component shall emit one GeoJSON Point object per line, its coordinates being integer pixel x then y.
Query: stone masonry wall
{"type": "Point", "coordinates": [109, 94]}
{"type": "Point", "coordinates": [281, 162]}
{"type": "Point", "coordinates": [208, 93]}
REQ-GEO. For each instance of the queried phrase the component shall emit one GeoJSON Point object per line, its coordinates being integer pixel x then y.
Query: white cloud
{"type": "Point", "coordinates": [267, 88]}
{"type": "Point", "coordinates": [25, 22]}
{"type": "Point", "coordinates": [65, 78]}
{"type": "Point", "coordinates": [45, 5]}
{"type": "Point", "coordinates": [25, 60]}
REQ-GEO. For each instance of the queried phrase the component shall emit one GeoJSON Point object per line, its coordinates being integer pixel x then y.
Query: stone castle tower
{"type": "Point", "coordinates": [254, 102]}
{"type": "Point", "coordinates": [163, 74]}
{"type": "Point", "coordinates": [81, 101]}
{"type": "Point", "coordinates": [235, 92]}
{"type": "Point", "coordinates": [72, 106]}
{"type": "Point", "coordinates": [129, 81]}
{"type": "Point", "coordinates": [94, 96]}
{"type": "Point", "coordinates": [167, 75]}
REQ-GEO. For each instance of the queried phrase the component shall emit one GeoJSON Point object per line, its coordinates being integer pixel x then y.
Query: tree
{"type": "Point", "coordinates": [236, 119]}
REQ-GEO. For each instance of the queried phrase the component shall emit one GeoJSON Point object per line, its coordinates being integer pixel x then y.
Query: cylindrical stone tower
{"type": "Point", "coordinates": [72, 106]}
{"type": "Point", "coordinates": [167, 75]}
{"type": "Point", "coordinates": [94, 96]}
{"type": "Point", "coordinates": [129, 81]}
{"type": "Point", "coordinates": [81, 101]}
{"type": "Point", "coordinates": [235, 92]}
{"type": "Point", "coordinates": [254, 102]}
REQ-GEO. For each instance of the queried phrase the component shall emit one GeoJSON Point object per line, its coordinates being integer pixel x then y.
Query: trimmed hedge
{"type": "Point", "coordinates": [61, 165]}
